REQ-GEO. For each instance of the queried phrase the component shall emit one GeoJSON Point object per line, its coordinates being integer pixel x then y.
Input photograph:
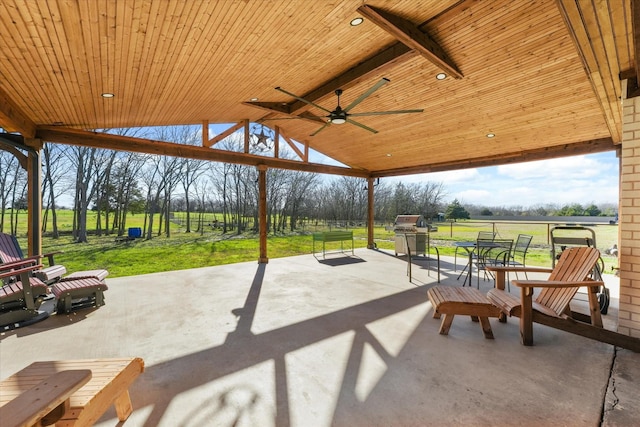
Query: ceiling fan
{"type": "Point", "coordinates": [343, 115]}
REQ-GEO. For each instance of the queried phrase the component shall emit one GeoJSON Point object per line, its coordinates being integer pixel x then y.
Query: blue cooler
{"type": "Point", "coordinates": [135, 232]}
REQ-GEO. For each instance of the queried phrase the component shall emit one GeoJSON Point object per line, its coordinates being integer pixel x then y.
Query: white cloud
{"type": "Point", "coordinates": [560, 168]}
{"type": "Point", "coordinates": [580, 179]}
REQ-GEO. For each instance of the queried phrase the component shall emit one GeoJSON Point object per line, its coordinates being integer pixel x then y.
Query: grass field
{"type": "Point", "coordinates": [192, 250]}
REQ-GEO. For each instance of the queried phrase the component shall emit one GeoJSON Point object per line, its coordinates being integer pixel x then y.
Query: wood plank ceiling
{"type": "Point", "coordinates": [543, 76]}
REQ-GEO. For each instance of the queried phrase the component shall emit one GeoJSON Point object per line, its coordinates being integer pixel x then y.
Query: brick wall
{"type": "Point", "coordinates": [629, 315]}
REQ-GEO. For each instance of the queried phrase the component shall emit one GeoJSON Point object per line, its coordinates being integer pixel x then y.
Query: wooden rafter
{"type": "Point", "coordinates": [14, 120]}
{"type": "Point", "coordinates": [293, 146]}
{"type": "Point", "coordinates": [213, 141]}
{"type": "Point", "coordinates": [149, 146]}
{"type": "Point", "coordinates": [411, 36]}
{"type": "Point", "coordinates": [576, 149]}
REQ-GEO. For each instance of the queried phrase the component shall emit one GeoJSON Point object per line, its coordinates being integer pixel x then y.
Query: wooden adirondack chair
{"type": "Point", "coordinates": [551, 306]}
{"type": "Point", "coordinates": [10, 251]}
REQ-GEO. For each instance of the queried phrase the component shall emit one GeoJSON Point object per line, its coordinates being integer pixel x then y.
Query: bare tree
{"type": "Point", "coordinates": [126, 171]}
{"type": "Point", "coordinates": [91, 166]}
{"type": "Point", "coordinates": [298, 188]}
{"type": "Point", "coordinates": [192, 171]}
{"type": "Point", "coordinates": [9, 179]}
{"type": "Point", "coordinates": [56, 168]}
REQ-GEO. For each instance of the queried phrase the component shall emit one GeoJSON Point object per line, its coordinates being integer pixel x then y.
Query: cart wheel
{"type": "Point", "coordinates": [603, 300]}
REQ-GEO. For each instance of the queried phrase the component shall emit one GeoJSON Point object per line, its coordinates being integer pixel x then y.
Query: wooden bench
{"type": "Point", "coordinates": [108, 385]}
{"type": "Point", "coordinates": [450, 301]}
{"type": "Point", "coordinates": [46, 402]}
{"type": "Point", "coordinates": [332, 236]}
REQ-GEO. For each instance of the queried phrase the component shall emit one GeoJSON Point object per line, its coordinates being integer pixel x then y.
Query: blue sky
{"type": "Point", "coordinates": [579, 179]}
{"type": "Point", "coordinates": [584, 179]}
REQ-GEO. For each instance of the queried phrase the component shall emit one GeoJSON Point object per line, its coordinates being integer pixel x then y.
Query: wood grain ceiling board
{"type": "Point", "coordinates": [531, 86]}
{"type": "Point", "coordinates": [185, 62]}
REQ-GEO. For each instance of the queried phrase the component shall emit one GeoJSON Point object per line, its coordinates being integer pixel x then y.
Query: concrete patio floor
{"type": "Point", "coordinates": [347, 341]}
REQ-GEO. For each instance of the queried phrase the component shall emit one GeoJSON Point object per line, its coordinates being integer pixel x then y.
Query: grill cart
{"type": "Point", "coordinates": [566, 236]}
{"type": "Point", "coordinates": [416, 227]}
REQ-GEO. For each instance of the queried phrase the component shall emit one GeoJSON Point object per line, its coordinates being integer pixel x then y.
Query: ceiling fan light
{"type": "Point", "coordinates": [338, 121]}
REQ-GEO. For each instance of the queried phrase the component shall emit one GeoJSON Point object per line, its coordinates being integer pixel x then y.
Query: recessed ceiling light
{"type": "Point", "coordinates": [388, 154]}
{"type": "Point", "coordinates": [491, 135]}
{"type": "Point", "coordinates": [254, 99]}
{"type": "Point", "coordinates": [356, 21]}
{"type": "Point", "coordinates": [107, 95]}
{"type": "Point", "coordinates": [441, 76]}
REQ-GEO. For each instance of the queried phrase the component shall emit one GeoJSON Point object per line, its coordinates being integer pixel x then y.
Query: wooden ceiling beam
{"type": "Point", "coordinates": [565, 150]}
{"type": "Point", "coordinates": [276, 108]}
{"type": "Point", "coordinates": [635, 22]}
{"type": "Point", "coordinates": [373, 66]}
{"type": "Point", "coordinates": [410, 35]}
{"type": "Point", "coordinates": [271, 107]}
{"type": "Point", "coordinates": [140, 145]}
{"type": "Point", "coordinates": [12, 119]}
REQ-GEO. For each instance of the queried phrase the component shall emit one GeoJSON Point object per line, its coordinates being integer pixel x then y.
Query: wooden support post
{"type": "Point", "coordinates": [370, 214]}
{"type": "Point", "coordinates": [34, 198]}
{"type": "Point", "coordinates": [205, 133]}
{"type": "Point", "coordinates": [247, 135]}
{"type": "Point", "coordinates": [262, 213]}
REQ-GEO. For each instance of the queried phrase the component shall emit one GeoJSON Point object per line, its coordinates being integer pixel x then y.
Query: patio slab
{"type": "Point", "coordinates": [347, 341]}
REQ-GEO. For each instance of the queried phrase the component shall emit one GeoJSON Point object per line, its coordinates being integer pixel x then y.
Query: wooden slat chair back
{"type": "Point", "coordinates": [11, 252]}
{"type": "Point", "coordinates": [573, 266]}
{"type": "Point", "coordinates": [9, 249]}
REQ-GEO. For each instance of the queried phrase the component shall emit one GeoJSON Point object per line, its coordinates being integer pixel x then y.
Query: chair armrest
{"type": "Point", "coordinates": [31, 406]}
{"type": "Point", "coordinates": [501, 270]}
{"type": "Point", "coordinates": [50, 255]}
{"type": "Point", "coordinates": [555, 283]}
{"type": "Point", "coordinates": [520, 269]}
{"type": "Point", "coordinates": [17, 268]}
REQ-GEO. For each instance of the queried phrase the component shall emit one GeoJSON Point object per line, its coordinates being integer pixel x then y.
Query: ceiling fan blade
{"type": "Point", "coordinates": [308, 116]}
{"type": "Point", "coordinates": [353, 122]}
{"type": "Point", "coordinates": [361, 98]}
{"type": "Point", "coordinates": [320, 129]}
{"type": "Point", "coordinates": [382, 113]}
{"type": "Point", "coordinates": [302, 99]}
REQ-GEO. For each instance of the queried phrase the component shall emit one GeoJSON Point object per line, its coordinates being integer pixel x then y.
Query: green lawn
{"type": "Point", "coordinates": [192, 250]}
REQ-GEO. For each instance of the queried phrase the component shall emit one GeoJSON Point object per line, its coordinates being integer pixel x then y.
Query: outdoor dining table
{"type": "Point", "coordinates": [470, 248]}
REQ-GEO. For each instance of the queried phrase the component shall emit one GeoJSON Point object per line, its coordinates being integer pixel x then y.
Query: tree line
{"type": "Point", "coordinates": [116, 184]}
